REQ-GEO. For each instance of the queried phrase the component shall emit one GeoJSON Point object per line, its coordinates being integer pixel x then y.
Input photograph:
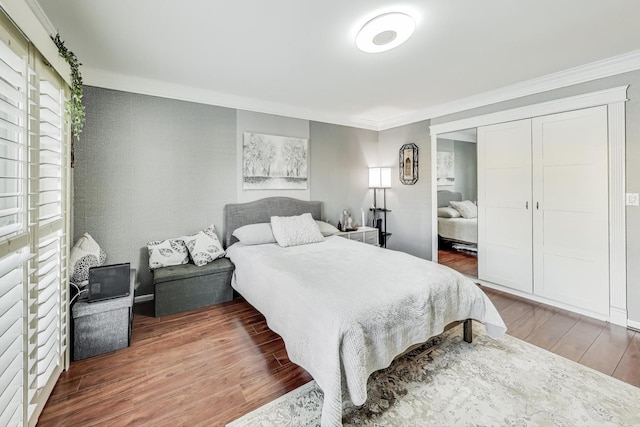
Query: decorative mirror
{"type": "Point", "coordinates": [408, 164]}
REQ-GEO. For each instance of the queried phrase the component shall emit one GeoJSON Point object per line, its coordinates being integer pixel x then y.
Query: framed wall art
{"type": "Point", "coordinates": [408, 164]}
{"type": "Point", "coordinates": [272, 162]}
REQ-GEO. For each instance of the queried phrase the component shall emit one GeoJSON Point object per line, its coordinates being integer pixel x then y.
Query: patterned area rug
{"type": "Point", "coordinates": [449, 382]}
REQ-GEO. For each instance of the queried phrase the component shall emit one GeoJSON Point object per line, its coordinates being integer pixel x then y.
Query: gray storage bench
{"type": "Point", "coordinates": [187, 286]}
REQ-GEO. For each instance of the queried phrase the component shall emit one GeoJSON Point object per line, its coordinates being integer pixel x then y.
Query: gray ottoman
{"type": "Point", "coordinates": [102, 326]}
{"type": "Point", "coordinates": [185, 287]}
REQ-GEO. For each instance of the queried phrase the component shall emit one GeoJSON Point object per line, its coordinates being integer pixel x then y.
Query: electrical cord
{"type": "Point", "coordinates": [78, 293]}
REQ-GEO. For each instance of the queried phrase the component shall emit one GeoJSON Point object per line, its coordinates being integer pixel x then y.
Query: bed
{"type": "Point", "coordinates": [343, 308]}
{"type": "Point", "coordinates": [455, 230]}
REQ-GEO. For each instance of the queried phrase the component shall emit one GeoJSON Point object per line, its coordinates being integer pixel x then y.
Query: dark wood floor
{"type": "Point", "coordinates": [464, 262]}
{"type": "Point", "coordinates": [209, 366]}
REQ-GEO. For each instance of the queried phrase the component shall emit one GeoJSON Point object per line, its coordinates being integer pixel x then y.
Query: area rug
{"type": "Point", "coordinates": [448, 382]}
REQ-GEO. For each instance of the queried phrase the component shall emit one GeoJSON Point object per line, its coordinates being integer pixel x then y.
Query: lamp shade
{"type": "Point", "coordinates": [379, 177]}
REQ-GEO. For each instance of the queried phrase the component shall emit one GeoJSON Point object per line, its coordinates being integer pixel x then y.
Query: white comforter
{"type": "Point", "coordinates": [345, 309]}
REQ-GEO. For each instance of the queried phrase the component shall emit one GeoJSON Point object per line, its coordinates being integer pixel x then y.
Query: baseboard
{"type": "Point", "coordinates": [546, 301]}
{"type": "Point", "coordinates": [143, 298]}
{"type": "Point", "coordinates": [618, 317]}
{"type": "Point", "coordinates": [632, 324]}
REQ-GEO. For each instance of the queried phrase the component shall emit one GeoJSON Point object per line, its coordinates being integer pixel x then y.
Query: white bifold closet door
{"type": "Point", "coordinates": [571, 221]}
{"type": "Point", "coordinates": [504, 204]}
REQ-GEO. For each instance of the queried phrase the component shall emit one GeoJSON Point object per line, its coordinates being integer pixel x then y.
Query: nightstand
{"type": "Point", "coordinates": [367, 235]}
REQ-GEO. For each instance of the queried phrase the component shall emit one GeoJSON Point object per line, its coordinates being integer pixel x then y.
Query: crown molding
{"type": "Point", "coordinates": [24, 15]}
{"type": "Point", "coordinates": [144, 86]}
{"type": "Point", "coordinates": [596, 70]}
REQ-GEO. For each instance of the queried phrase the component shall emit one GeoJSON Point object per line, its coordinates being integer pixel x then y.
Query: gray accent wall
{"type": "Point", "coordinates": [150, 168]}
{"type": "Point", "coordinates": [632, 176]}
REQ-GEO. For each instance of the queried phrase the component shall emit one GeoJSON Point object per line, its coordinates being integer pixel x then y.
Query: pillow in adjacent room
{"type": "Point", "coordinates": [255, 234]}
{"type": "Point", "coordinates": [86, 253]}
{"type": "Point", "coordinates": [327, 229]}
{"type": "Point", "coordinates": [466, 208]}
{"type": "Point", "coordinates": [295, 230]}
{"type": "Point", "coordinates": [165, 253]}
{"type": "Point", "coordinates": [448, 212]}
{"type": "Point", "coordinates": [204, 247]}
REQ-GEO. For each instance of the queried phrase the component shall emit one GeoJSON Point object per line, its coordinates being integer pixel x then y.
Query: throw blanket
{"type": "Point", "coordinates": [346, 309]}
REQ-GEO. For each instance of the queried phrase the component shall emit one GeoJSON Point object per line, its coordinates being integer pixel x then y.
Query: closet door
{"type": "Point", "coordinates": [504, 204]}
{"type": "Point", "coordinates": [571, 242]}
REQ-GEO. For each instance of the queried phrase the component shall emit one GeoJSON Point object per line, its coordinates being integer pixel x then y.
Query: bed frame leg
{"type": "Point", "coordinates": [467, 331]}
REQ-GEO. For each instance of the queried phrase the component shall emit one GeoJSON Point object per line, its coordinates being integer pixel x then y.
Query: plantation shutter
{"type": "Point", "coordinates": [34, 229]}
{"type": "Point", "coordinates": [48, 227]}
{"type": "Point", "coordinates": [13, 237]}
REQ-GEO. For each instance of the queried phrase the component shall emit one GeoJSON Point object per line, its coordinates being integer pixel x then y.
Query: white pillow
{"type": "Point", "coordinates": [466, 208]}
{"type": "Point", "coordinates": [295, 230]}
{"type": "Point", "coordinates": [327, 229]}
{"type": "Point", "coordinates": [448, 212]}
{"type": "Point", "coordinates": [255, 234]}
{"type": "Point", "coordinates": [86, 253]}
{"type": "Point", "coordinates": [204, 247]}
{"type": "Point", "coordinates": [165, 253]}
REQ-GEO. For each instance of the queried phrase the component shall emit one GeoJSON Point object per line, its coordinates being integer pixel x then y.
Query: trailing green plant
{"type": "Point", "coordinates": [74, 107]}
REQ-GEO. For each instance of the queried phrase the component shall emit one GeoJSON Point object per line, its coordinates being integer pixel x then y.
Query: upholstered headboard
{"type": "Point", "coordinates": [445, 196]}
{"type": "Point", "coordinates": [238, 214]}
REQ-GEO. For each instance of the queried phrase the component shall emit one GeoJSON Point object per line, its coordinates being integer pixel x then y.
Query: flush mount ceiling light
{"type": "Point", "coordinates": [385, 32]}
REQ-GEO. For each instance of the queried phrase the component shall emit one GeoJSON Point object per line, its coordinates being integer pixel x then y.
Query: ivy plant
{"type": "Point", "coordinates": [74, 107]}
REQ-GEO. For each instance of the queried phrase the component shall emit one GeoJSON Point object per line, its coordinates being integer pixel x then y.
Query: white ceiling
{"type": "Point", "coordinates": [298, 58]}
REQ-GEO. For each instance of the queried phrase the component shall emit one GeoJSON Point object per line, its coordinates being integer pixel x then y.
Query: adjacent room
{"type": "Point", "coordinates": [319, 213]}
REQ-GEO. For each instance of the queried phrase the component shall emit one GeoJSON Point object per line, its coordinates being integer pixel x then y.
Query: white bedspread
{"type": "Point", "coordinates": [460, 229]}
{"type": "Point", "coordinates": [345, 309]}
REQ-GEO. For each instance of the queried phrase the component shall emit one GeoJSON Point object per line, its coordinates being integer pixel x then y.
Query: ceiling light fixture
{"type": "Point", "coordinates": [385, 32]}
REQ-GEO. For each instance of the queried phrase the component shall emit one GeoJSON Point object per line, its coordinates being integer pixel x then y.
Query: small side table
{"type": "Point", "coordinates": [102, 326]}
{"type": "Point", "coordinates": [367, 235]}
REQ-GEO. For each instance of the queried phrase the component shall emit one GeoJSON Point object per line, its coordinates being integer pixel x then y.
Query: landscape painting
{"type": "Point", "coordinates": [445, 169]}
{"type": "Point", "coordinates": [274, 162]}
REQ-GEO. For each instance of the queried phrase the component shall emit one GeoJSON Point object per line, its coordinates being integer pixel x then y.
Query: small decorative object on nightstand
{"type": "Point", "coordinates": [367, 235]}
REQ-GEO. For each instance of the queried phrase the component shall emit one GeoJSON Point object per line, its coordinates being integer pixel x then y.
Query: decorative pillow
{"type": "Point", "coordinates": [466, 208]}
{"type": "Point", "coordinates": [327, 229]}
{"type": "Point", "coordinates": [86, 253]}
{"type": "Point", "coordinates": [255, 234]}
{"type": "Point", "coordinates": [204, 247]}
{"type": "Point", "coordinates": [295, 230]}
{"type": "Point", "coordinates": [164, 253]}
{"type": "Point", "coordinates": [448, 212]}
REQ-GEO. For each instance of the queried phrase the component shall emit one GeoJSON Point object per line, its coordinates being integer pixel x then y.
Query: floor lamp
{"type": "Point", "coordinates": [380, 179]}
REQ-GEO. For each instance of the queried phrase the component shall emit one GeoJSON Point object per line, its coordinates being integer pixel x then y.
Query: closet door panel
{"type": "Point", "coordinates": [504, 204]}
{"type": "Point", "coordinates": [571, 242]}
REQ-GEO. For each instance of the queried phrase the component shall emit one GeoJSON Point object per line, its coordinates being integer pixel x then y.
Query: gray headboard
{"type": "Point", "coordinates": [445, 196]}
{"type": "Point", "coordinates": [238, 214]}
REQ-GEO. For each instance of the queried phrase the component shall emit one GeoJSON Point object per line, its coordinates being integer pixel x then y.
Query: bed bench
{"type": "Point", "coordinates": [187, 286]}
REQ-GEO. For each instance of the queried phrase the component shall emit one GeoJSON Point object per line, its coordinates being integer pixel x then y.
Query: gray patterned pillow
{"type": "Point", "coordinates": [81, 267]}
{"type": "Point", "coordinates": [204, 247]}
{"type": "Point", "coordinates": [164, 253]}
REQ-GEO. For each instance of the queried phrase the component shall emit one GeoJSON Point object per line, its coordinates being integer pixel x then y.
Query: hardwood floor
{"type": "Point", "coordinates": [464, 262]}
{"type": "Point", "coordinates": [209, 366]}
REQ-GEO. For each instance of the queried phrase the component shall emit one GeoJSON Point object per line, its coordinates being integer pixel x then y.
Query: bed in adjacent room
{"type": "Point", "coordinates": [343, 308]}
{"type": "Point", "coordinates": [452, 225]}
